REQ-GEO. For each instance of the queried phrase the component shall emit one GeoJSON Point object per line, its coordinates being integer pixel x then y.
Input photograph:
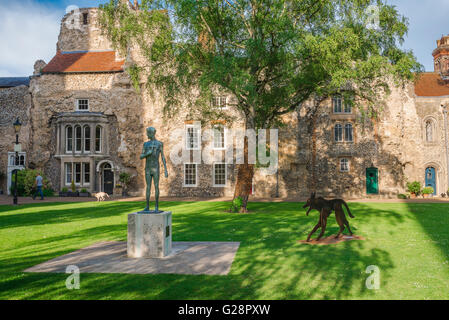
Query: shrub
{"type": "Point", "coordinates": [48, 192]}
{"type": "Point", "coordinates": [236, 204]}
{"type": "Point", "coordinates": [26, 180]}
{"type": "Point", "coordinates": [414, 187]}
{"type": "Point", "coordinates": [65, 189]}
{"type": "Point", "coordinates": [428, 190]}
{"type": "Point", "coordinates": [83, 190]}
{"type": "Point", "coordinates": [402, 196]}
{"type": "Point", "coordinates": [72, 186]}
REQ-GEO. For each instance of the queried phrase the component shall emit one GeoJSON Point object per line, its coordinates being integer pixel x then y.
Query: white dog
{"type": "Point", "coordinates": [101, 196]}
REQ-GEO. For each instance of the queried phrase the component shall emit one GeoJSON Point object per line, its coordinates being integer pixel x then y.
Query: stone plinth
{"type": "Point", "coordinates": [149, 235]}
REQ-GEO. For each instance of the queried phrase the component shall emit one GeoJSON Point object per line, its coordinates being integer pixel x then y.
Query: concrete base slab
{"type": "Point", "coordinates": [210, 258]}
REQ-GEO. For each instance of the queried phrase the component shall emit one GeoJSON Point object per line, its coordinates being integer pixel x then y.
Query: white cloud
{"type": "Point", "coordinates": [28, 32]}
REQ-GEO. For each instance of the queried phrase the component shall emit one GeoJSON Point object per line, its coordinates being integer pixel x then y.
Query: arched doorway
{"type": "Point", "coordinates": [431, 179]}
{"type": "Point", "coordinates": [108, 178]}
{"type": "Point", "coordinates": [372, 181]}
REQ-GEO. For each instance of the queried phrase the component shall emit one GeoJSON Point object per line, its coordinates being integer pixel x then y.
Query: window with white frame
{"type": "Point", "coordinates": [219, 102]}
{"type": "Point", "coordinates": [192, 137]}
{"type": "Point", "coordinates": [69, 139]}
{"type": "Point", "coordinates": [219, 137]}
{"type": "Point", "coordinates": [344, 165]}
{"type": "Point", "coordinates": [190, 174]}
{"type": "Point", "coordinates": [18, 160]}
{"type": "Point", "coordinates": [86, 139]}
{"type": "Point", "coordinates": [86, 173]}
{"type": "Point", "coordinates": [338, 133]}
{"type": "Point", "coordinates": [219, 174]}
{"type": "Point", "coordinates": [82, 105]}
{"type": "Point", "coordinates": [78, 139]}
{"type": "Point", "coordinates": [78, 171]}
{"type": "Point", "coordinates": [98, 138]}
{"type": "Point", "coordinates": [68, 173]}
{"type": "Point", "coordinates": [349, 133]}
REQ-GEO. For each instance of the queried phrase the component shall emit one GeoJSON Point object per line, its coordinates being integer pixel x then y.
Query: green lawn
{"type": "Point", "coordinates": [408, 242]}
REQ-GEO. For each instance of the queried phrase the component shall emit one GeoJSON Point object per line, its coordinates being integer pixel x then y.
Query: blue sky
{"type": "Point", "coordinates": [29, 30]}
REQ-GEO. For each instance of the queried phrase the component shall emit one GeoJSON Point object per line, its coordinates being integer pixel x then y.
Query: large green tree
{"type": "Point", "coordinates": [272, 55]}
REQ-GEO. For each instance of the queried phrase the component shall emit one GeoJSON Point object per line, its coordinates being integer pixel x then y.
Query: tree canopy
{"type": "Point", "coordinates": [272, 55]}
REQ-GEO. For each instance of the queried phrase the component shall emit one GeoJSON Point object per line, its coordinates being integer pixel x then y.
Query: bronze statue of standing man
{"type": "Point", "coordinates": [151, 151]}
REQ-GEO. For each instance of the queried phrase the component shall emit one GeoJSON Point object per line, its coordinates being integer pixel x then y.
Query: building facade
{"type": "Point", "coordinates": [84, 121]}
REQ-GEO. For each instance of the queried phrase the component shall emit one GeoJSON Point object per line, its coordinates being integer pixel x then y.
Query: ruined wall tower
{"type": "Point", "coordinates": [441, 57]}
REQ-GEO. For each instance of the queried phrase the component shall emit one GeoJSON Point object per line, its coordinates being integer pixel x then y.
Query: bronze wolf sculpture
{"type": "Point", "coordinates": [325, 207]}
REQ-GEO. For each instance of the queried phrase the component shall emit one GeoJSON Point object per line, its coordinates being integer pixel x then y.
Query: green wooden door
{"type": "Point", "coordinates": [372, 181]}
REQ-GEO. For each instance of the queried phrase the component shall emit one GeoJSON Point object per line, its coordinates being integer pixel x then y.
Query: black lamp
{"type": "Point", "coordinates": [17, 125]}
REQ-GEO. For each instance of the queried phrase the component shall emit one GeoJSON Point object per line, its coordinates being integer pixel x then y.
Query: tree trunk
{"type": "Point", "coordinates": [245, 176]}
{"type": "Point", "coordinates": [314, 151]}
{"type": "Point", "coordinates": [244, 184]}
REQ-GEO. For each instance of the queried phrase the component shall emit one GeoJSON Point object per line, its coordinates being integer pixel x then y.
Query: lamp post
{"type": "Point", "coordinates": [17, 125]}
{"type": "Point", "coordinates": [446, 138]}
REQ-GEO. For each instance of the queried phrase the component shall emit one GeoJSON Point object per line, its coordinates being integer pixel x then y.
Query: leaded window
{"type": "Point", "coordinates": [344, 165]}
{"type": "Point", "coordinates": [219, 174]}
{"type": "Point", "coordinates": [190, 174]}
{"type": "Point", "coordinates": [349, 136]}
{"type": "Point", "coordinates": [338, 133]}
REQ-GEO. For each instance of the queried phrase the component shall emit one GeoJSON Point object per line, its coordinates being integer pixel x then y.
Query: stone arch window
{"type": "Point", "coordinates": [338, 133]}
{"type": "Point", "coordinates": [12, 161]}
{"type": "Point", "coordinates": [349, 132]}
{"type": "Point", "coordinates": [78, 138]}
{"type": "Point", "coordinates": [21, 160]}
{"type": "Point", "coordinates": [98, 138]}
{"type": "Point", "coordinates": [429, 131]}
{"type": "Point", "coordinates": [86, 130]}
{"type": "Point", "coordinates": [69, 139]}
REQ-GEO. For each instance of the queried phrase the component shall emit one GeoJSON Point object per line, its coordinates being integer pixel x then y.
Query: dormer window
{"type": "Point", "coordinates": [82, 105]}
{"type": "Point", "coordinates": [219, 102]}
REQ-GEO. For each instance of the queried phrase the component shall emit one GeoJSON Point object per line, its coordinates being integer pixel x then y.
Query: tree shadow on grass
{"type": "Point", "coordinates": [68, 212]}
{"type": "Point", "coordinates": [434, 219]}
{"type": "Point", "coordinates": [270, 263]}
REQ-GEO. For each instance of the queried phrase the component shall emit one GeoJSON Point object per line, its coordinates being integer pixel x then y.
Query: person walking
{"type": "Point", "coordinates": [39, 182]}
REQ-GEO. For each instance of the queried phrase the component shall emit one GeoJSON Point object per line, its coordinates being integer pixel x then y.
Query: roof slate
{"type": "Point", "coordinates": [9, 82]}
